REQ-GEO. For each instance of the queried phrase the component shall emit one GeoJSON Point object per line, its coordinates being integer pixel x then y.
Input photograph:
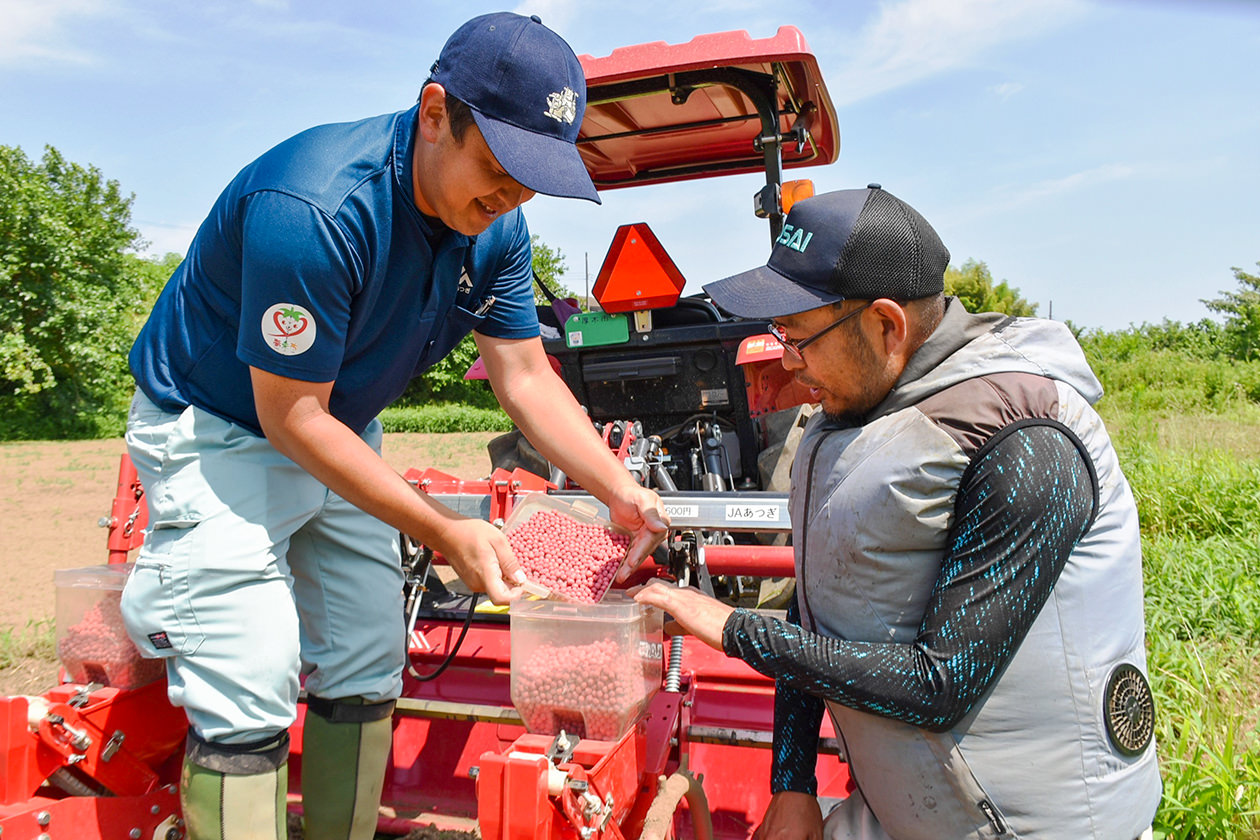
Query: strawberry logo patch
{"type": "Point", "coordinates": [288, 329]}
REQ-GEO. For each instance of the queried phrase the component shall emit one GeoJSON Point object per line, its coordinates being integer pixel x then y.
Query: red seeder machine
{"type": "Point", "coordinates": [556, 719]}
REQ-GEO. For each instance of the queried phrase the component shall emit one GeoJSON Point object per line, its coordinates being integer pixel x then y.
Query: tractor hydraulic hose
{"type": "Point", "coordinates": [669, 792]}
{"type": "Point", "coordinates": [450, 657]}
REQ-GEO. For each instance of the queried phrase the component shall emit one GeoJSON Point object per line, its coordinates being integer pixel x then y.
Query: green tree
{"type": "Point", "coordinates": [973, 286]}
{"type": "Point", "coordinates": [1242, 311]}
{"type": "Point", "coordinates": [72, 287]}
{"type": "Point", "coordinates": [550, 267]}
{"type": "Point", "coordinates": [444, 382]}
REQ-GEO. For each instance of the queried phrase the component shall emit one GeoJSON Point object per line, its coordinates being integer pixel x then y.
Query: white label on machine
{"type": "Point", "coordinates": [682, 511]}
{"type": "Point", "coordinates": [714, 396]}
{"type": "Point", "coordinates": [575, 338]}
{"type": "Point", "coordinates": [752, 513]}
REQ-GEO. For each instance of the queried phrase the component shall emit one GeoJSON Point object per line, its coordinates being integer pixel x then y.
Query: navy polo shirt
{"type": "Point", "coordinates": [315, 264]}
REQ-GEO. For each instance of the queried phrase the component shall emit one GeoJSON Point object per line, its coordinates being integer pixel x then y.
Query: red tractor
{"type": "Point", "coordinates": [696, 405]}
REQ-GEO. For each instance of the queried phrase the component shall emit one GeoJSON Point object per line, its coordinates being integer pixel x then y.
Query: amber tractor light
{"type": "Point", "coordinates": [794, 191]}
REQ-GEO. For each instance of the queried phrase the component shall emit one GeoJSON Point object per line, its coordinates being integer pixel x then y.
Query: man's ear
{"type": "Point", "coordinates": [893, 325]}
{"type": "Point", "coordinates": [432, 112]}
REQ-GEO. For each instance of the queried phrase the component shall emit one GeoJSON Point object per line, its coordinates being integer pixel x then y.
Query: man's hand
{"type": "Point", "coordinates": [481, 556]}
{"type": "Point", "coordinates": [791, 816]}
{"type": "Point", "coordinates": [692, 611]}
{"type": "Point", "coordinates": [638, 509]}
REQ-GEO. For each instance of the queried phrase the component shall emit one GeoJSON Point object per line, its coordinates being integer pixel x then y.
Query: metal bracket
{"type": "Point", "coordinates": [768, 201]}
{"type": "Point", "coordinates": [83, 694]}
{"type": "Point", "coordinates": [112, 745]}
{"type": "Point", "coordinates": [562, 748]}
{"type": "Point", "coordinates": [78, 738]}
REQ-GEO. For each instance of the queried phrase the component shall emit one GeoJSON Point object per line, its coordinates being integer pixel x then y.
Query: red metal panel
{"type": "Point", "coordinates": [129, 515]}
{"type": "Point", "coordinates": [96, 817]}
{"type": "Point", "coordinates": [21, 772]}
{"type": "Point", "coordinates": [712, 128]}
{"type": "Point", "coordinates": [512, 801]}
{"type": "Point", "coordinates": [736, 47]}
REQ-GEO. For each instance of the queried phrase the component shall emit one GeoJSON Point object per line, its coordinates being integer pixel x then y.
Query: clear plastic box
{"type": "Point", "coordinates": [92, 643]}
{"type": "Point", "coordinates": [589, 669]}
{"type": "Point", "coordinates": [565, 546]}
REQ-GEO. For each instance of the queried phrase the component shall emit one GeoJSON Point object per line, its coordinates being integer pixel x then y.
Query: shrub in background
{"type": "Point", "coordinates": [443, 418]}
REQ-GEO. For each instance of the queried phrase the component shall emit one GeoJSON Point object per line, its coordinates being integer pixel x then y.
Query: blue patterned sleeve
{"type": "Point", "coordinates": [1021, 507]}
{"type": "Point", "coordinates": [797, 717]}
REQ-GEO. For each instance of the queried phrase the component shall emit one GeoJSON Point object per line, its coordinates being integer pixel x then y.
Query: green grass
{"type": "Point", "coordinates": [1205, 695]}
{"type": "Point", "coordinates": [1196, 478]}
{"type": "Point", "coordinates": [35, 641]}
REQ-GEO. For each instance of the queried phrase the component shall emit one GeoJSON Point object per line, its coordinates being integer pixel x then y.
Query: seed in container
{"type": "Point", "coordinates": [576, 560]}
{"type": "Point", "coordinates": [98, 650]}
{"type": "Point", "coordinates": [589, 690]}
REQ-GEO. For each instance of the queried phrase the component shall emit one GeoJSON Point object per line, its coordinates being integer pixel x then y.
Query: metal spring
{"type": "Point", "coordinates": [673, 676]}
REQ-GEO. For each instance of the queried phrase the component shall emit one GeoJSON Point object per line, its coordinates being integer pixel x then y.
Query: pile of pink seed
{"type": "Point", "coordinates": [574, 559]}
{"type": "Point", "coordinates": [98, 650]}
{"type": "Point", "coordinates": [591, 690]}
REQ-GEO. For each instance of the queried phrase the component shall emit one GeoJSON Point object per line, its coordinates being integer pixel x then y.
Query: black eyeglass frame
{"type": "Point", "coordinates": [797, 347]}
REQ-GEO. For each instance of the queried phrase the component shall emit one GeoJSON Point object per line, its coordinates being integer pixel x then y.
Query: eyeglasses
{"type": "Point", "coordinates": [796, 348]}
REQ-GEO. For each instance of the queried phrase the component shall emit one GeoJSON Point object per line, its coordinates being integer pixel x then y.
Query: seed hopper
{"type": "Point", "coordinates": [551, 719]}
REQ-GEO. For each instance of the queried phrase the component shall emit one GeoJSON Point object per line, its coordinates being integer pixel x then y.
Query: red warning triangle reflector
{"type": "Point", "coordinates": [637, 273]}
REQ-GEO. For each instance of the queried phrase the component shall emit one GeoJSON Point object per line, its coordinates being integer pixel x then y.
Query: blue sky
{"type": "Point", "coordinates": [1103, 157]}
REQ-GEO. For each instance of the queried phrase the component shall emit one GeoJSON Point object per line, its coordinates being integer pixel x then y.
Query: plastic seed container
{"type": "Point", "coordinates": [589, 669]}
{"type": "Point", "coordinates": [565, 548]}
{"type": "Point", "coordinates": [92, 643]}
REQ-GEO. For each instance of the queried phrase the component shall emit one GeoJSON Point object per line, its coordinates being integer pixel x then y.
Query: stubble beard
{"type": "Point", "coordinates": [870, 390]}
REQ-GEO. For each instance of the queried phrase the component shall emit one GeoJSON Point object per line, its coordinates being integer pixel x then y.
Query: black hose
{"type": "Point", "coordinates": [450, 657]}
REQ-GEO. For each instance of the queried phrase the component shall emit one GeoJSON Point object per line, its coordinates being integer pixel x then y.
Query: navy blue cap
{"type": "Point", "coordinates": [527, 93]}
{"type": "Point", "coordinates": [849, 244]}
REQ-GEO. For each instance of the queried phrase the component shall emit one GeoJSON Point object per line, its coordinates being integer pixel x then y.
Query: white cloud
{"type": "Point", "coordinates": [1006, 90]}
{"type": "Point", "coordinates": [1004, 199]}
{"type": "Point", "coordinates": [915, 39]}
{"type": "Point", "coordinates": [38, 30]}
{"type": "Point", "coordinates": [1077, 180]}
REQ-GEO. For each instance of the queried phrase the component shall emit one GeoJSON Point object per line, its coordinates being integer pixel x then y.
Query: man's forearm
{"type": "Point", "coordinates": [797, 718]}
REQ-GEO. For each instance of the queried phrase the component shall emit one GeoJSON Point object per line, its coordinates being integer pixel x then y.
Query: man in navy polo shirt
{"type": "Point", "coordinates": [332, 270]}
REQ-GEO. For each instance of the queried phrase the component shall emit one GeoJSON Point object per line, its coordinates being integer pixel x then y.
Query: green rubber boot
{"type": "Point", "coordinates": [345, 744]}
{"type": "Point", "coordinates": [223, 806]}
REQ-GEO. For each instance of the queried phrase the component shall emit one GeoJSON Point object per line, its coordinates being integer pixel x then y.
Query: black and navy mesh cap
{"type": "Point", "coordinates": [527, 92]}
{"type": "Point", "coordinates": [849, 244]}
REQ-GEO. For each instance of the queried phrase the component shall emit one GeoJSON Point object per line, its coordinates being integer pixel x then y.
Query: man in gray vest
{"type": "Point", "coordinates": [969, 572]}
